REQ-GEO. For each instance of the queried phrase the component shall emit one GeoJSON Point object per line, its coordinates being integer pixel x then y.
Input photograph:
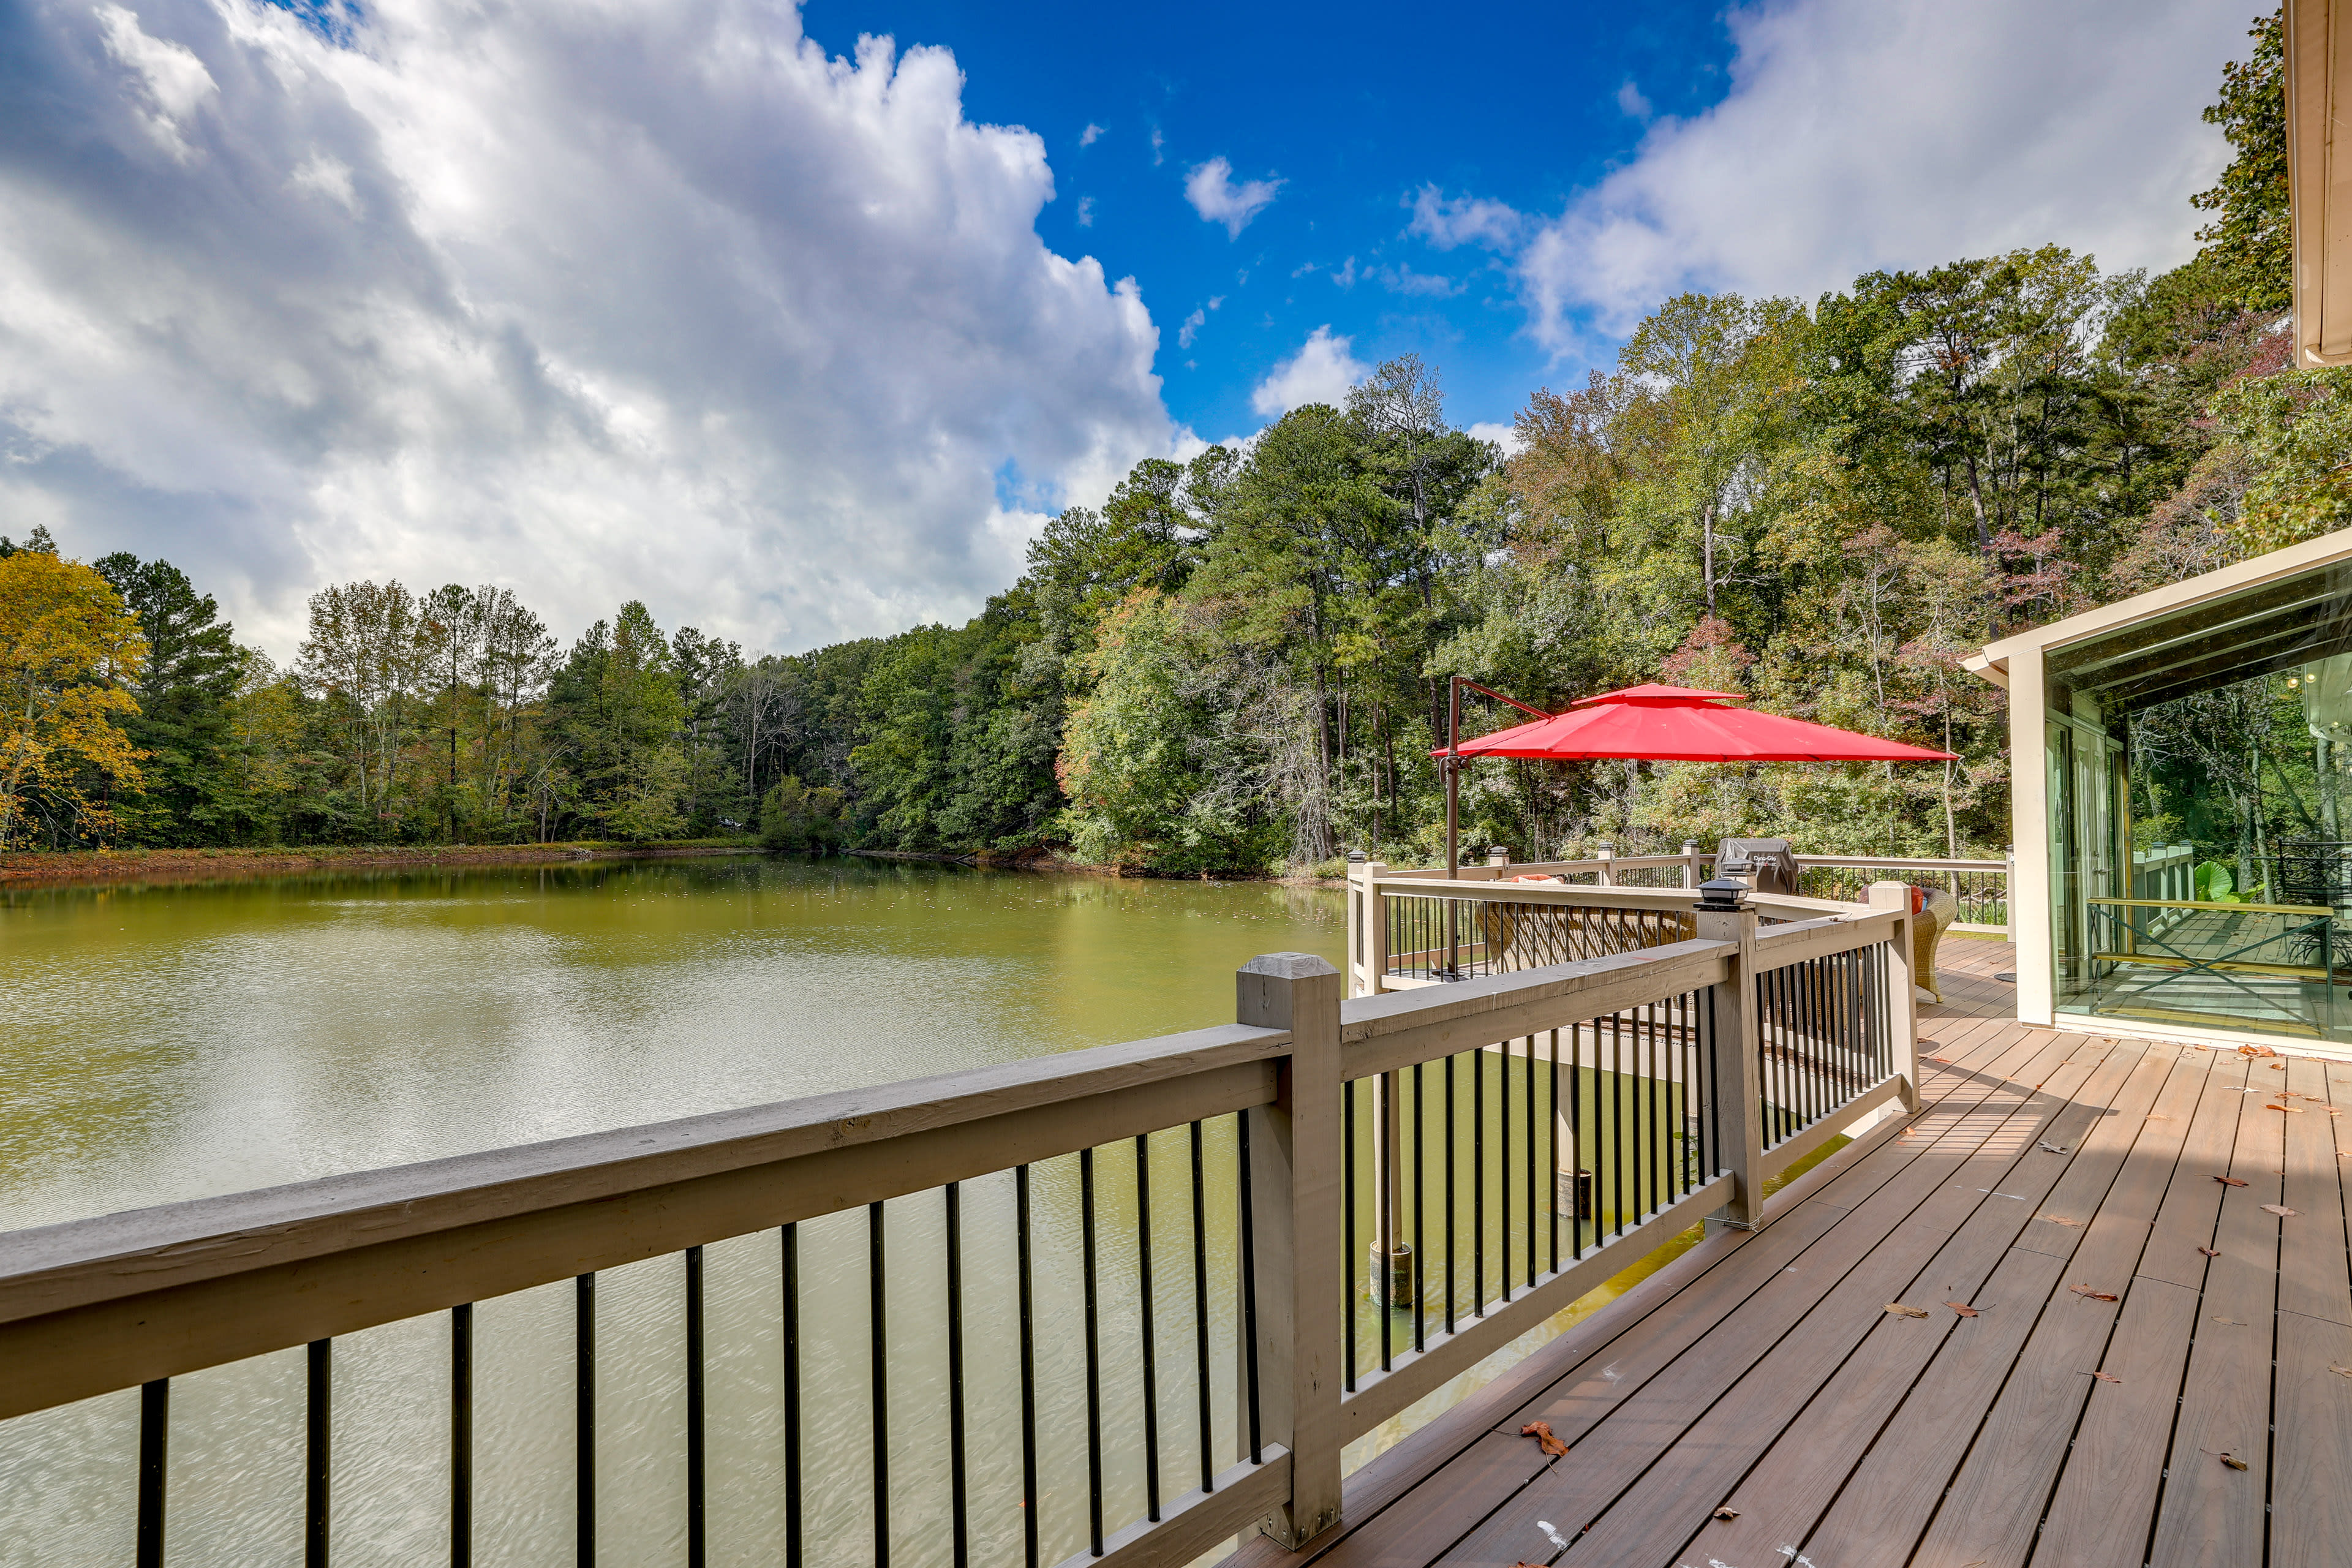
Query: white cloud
{"type": "Point", "coordinates": [1320, 372]}
{"type": "Point", "coordinates": [1090, 135]}
{"type": "Point", "coordinates": [1450, 221]}
{"type": "Point", "coordinates": [632, 299]}
{"type": "Point", "coordinates": [1196, 321]}
{"type": "Point", "coordinates": [1085, 212]}
{"type": "Point", "coordinates": [1631, 104]}
{"type": "Point", "coordinates": [1503, 436]}
{"type": "Point", "coordinates": [173, 81]}
{"type": "Point", "coordinates": [1159, 146]}
{"type": "Point", "coordinates": [1405, 280]}
{"type": "Point", "coordinates": [1863, 133]}
{"type": "Point", "coordinates": [1209, 188]}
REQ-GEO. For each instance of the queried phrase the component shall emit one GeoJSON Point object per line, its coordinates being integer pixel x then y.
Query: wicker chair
{"type": "Point", "coordinates": [1937, 909]}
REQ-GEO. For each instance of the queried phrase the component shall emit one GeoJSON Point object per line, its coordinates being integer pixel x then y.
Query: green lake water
{"type": "Point", "coordinates": [173, 1042]}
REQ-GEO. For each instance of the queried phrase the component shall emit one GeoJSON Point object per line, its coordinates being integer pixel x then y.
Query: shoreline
{"type": "Point", "coordinates": [81, 866]}
{"type": "Point", "coordinates": [74, 868]}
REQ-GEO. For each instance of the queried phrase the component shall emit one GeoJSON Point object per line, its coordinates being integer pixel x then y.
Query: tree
{"type": "Point", "coordinates": [191, 675]}
{"type": "Point", "coordinates": [618, 710]}
{"type": "Point", "coordinates": [69, 651]}
{"type": "Point", "coordinates": [2251, 238]}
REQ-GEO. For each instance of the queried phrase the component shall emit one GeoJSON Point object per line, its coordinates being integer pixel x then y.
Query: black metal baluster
{"type": "Point", "coordinates": [1420, 1247]}
{"type": "Point", "coordinates": [1200, 1314]}
{"type": "Point", "coordinates": [958, 1501]}
{"type": "Point", "coordinates": [1576, 1204]}
{"type": "Point", "coordinates": [1529, 1098]}
{"type": "Point", "coordinates": [1144, 1324]}
{"type": "Point", "coordinates": [1347, 1227]}
{"type": "Point", "coordinates": [154, 1450]}
{"type": "Point", "coordinates": [1552, 1144]}
{"type": "Point", "coordinates": [1093, 1351]}
{"type": "Point", "coordinates": [879, 1337]}
{"type": "Point", "coordinates": [697, 1544]}
{"type": "Point", "coordinates": [1451, 1161]}
{"type": "Point", "coordinates": [1503, 1174]}
{"type": "Point", "coordinates": [1616, 1120]}
{"type": "Point", "coordinates": [317, 1472]}
{"type": "Point", "coordinates": [584, 1449]}
{"type": "Point", "coordinates": [1477, 1183]}
{"type": "Point", "coordinates": [794, 1545]}
{"type": "Point", "coordinates": [461, 1435]}
{"type": "Point", "coordinates": [1249, 1289]}
{"type": "Point", "coordinates": [1028, 1365]}
{"type": "Point", "coordinates": [1386, 1223]}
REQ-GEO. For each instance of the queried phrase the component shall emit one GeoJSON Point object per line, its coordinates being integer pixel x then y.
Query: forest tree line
{"type": "Point", "coordinates": [1241, 662]}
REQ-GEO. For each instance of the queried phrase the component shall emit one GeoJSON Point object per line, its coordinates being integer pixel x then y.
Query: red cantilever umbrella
{"type": "Point", "coordinates": [1669, 724]}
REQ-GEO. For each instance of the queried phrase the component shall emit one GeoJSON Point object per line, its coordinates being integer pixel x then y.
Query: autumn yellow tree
{"type": "Point", "coordinates": [67, 650]}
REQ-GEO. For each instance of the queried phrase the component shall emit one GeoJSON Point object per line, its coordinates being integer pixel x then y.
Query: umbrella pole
{"type": "Point", "coordinates": [1453, 822]}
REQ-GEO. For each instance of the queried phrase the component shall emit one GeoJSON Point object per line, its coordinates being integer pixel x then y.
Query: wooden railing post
{"type": "Point", "coordinates": [1607, 856]}
{"type": "Point", "coordinates": [1690, 878]}
{"type": "Point", "coordinates": [1302, 1280]}
{"type": "Point", "coordinates": [1723, 915]}
{"type": "Point", "coordinates": [1902, 1004]}
{"type": "Point", "coordinates": [1376, 915]}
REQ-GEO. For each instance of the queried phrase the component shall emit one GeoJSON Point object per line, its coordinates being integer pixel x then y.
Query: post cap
{"type": "Point", "coordinates": [1288, 965]}
{"type": "Point", "coordinates": [1357, 857]}
{"type": "Point", "coordinates": [1723, 895]}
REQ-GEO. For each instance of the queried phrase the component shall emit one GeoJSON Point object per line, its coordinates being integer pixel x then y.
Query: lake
{"type": "Point", "coordinates": [173, 1042]}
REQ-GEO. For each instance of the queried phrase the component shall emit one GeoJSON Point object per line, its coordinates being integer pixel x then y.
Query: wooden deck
{"type": "Point", "coordinates": [1757, 1406]}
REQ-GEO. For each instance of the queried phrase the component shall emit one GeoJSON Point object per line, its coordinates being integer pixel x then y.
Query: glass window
{"type": "Point", "coordinates": [2200, 872]}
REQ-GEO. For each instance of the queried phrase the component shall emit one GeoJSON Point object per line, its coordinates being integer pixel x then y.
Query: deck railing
{"type": "Point", "coordinates": [1112, 1306]}
{"type": "Point", "coordinates": [1428, 936]}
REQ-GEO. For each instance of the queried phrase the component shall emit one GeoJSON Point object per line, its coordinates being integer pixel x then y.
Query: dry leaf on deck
{"type": "Point", "coordinates": [2233, 1322]}
{"type": "Point", "coordinates": [1727, 1513]}
{"type": "Point", "coordinates": [1963, 1309]}
{"type": "Point", "coordinates": [2231, 1461]}
{"type": "Point", "coordinates": [2256, 1051]}
{"type": "Point", "coordinates": [2208, 1252]}
{"type": "Point", "coordinates": [2103, 1376]}
{"type": "Point", "coordinates": [2088, 1294]}
{"type": "Point", "coordinates": [2059, 1219]}
{"type": "Point", "coordinates": [2052, 1148]}
{"type": "Point", "coordinates": [2278, 1067]}
{"type": "Point", "coordinates": [1900, 1310]}
{"type": "Point", "coordinates": [2230, 1181]}
{"type": "Point", "coordinates": [2281, 1210]}
{"type": "Point", "coordinates": [1945, 1060]}
{"type": "Point", "coordinates": [1541, 1432]}
{"type": "Point", "coordinates": [2290, 1109]}
{"type": "Point", "coordinates": [2338, 1367]}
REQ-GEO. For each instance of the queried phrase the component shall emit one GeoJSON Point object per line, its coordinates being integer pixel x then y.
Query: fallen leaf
{"type": "Point", "coordinates": [2256, 1051]}
{"type": "Point", "coordinates": [2231, 1461]}
{"type": "Point", "coordinates": [1727, 1513]}
{"type": "Point", "coordinates": [1900, 1310]}
{"type": "Point", "coordinates": [2335, 1110]}
{"type": "Point", "coordinates": [1541, 1432]}
{"type": "Point", "coordinates": [2230, 1181]}
{"type": "Point", "coordinates": [2281, 1210]}
{"type": "Point", "coordinates": [2233, 1322]}
{"type": "Point", "coordinates": [2059, 1219]}
{"type": "Point", "coordinates": [1963, 1309]}
{"type": "Point", "coordinates": [1945, 1060]}
{"type": "Point", "coordinates": [2338, 1367]}
{"type": "Point", "coordinates": [2052, 1148]}
{"type": "Point", "coordinates": [2290, 1109]}
{"type": "Point", "coordinates": [2103, 1376]}
{"type": "Point", "coordinates": [2088, 1294]}
{"type": "Point", "coordinates": [2278, 1067]}
{"type": "Point", "coordinates": [2161, 1118]}
{"type": "Point", "coordinates": [2208, 1252]}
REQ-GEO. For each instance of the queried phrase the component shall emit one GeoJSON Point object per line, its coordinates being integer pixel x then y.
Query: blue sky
{"type": "Point", "coordinates": [799, 335]}
{"type": "Point", "coordinates": [1355, 111]}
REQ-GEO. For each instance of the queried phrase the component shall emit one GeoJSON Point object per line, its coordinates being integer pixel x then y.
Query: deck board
{"type": "Point", "coordinates": [1763, 1374]}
